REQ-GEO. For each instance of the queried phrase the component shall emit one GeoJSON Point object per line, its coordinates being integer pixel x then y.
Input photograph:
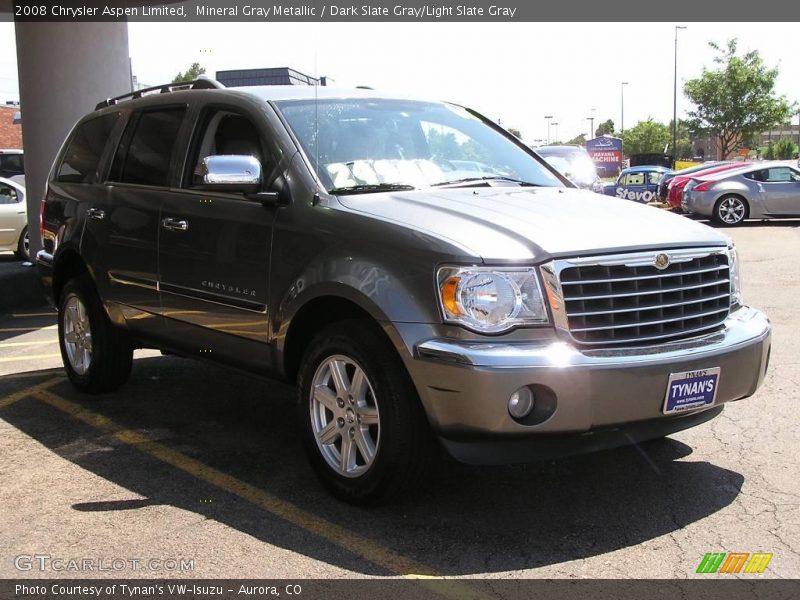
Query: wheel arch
{"type": "Point", "coordinates": [67, 265]}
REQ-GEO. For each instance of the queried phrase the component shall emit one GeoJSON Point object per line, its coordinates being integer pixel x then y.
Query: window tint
{"type": "Point", "coordinates": [83, 154]}
{"type": "Point", "coordinates": [12, 163]}
{"type": "Point", "coordinates": [146, 159]}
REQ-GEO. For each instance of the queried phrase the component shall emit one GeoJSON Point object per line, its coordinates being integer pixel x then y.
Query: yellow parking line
{"type": "Point", "coordinates": [17, 329]}
{"type": "Point", "coordinates": [333, 533]}
{"type": "Point", "coordinates": [17, 344]}
{"type": "Point", "coordinates": [6, 359]}
{"type": "Point", "coordinates": [27, 392]}
{"type": "Point", "coordinates": [39, 314]}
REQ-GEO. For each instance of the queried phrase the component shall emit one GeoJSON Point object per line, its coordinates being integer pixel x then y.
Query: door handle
{"type": "Point", "coordinates": [96, 213]}
{"type": "Point", "coordinates": [175, 224]}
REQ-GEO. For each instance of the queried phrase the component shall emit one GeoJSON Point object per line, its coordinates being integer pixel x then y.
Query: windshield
{"type": "Point", "coordinates": [375, 144]}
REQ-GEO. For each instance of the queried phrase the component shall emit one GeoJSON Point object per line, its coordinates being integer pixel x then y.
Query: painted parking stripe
{"type": "Point", "coordinates": [6, 359]}
{"type": "Point", "coordinates": [19, 329]}
{"type": "Point", "coordinates": [19, 344]}
{"type": "Point", "coordinates": [333, 533]}
{"type": "Point", "coordinates": [28, 392]}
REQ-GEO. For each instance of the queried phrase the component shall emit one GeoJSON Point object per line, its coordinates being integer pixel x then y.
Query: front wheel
{"type": "Point", "coordinates": [97, 355]}
{"type": "Point", "coordinates": [364, 428]}
{"type": "Point", "coordinates": [730, 210]}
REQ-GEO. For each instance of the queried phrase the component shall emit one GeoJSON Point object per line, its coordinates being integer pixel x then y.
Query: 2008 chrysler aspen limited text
{"type": "Point", "coordinates": [421, 275]}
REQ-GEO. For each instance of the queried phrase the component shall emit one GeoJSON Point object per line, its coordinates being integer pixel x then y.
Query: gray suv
{"type": "Point", "coordinates": [345, 241]}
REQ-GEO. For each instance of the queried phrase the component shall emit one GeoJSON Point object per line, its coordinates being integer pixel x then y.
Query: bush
{"type": "Point", "coordinates": [784, 149]}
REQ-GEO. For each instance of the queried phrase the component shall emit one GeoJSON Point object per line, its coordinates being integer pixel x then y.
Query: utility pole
{"type": "Point", "coordinates": [675, 100]}
{"type": "Point", "coordinates": [591, 124]}
{"type": "Point", "coordinates": [548, 117]}
{"type": "Point", "coordinates": [622, 106]}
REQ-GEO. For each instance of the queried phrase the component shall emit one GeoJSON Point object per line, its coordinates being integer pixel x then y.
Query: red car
{"type": "Point", "coordinates": [675, 187]}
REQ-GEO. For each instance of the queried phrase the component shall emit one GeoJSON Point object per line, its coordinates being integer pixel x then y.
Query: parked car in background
{"type": "Point", "coordinates": [756, 191]}
{"type": "Point", "coordinates": [676, 184]}
{"type": "Point", "coordinates": [14, 219]}
{"type": "Point", "coordinates": [667, 177]}
{"type": "Point", "coordinates": [639, 184]}
{"type": "Point", "coordinates": [573, 162]}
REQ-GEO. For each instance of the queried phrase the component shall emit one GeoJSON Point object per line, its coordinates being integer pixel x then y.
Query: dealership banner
{"type": "Point", "coordinates": [261, 11]}
{"type": "Point", "coordinates": [606, 152]}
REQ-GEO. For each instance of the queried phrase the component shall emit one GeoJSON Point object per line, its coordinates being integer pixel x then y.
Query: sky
{"type": "Point", "coordinates": [512, 72]}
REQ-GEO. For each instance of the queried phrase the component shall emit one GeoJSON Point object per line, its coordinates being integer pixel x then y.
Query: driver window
{"type": "Point", "coordinates": [635, 179]}
{"type": "Point", "coordinates": [225, 132]}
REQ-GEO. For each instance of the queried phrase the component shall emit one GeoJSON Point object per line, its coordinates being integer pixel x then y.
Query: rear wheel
{"type": "Point", "coordinates": [731, 210]}
{"type": "Point", "coordinates": [97, 355]}
{"type": "Point", "coordinates": [23, 251]}
{"type": "Point", "coordinates": [364, 428]}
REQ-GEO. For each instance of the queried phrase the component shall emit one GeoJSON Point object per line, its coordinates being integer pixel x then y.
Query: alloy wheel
{"type": "Point", "coordinates": [77, 335]}
{"type": "Point", "coordinates": [344, 416]}
{"type": "Point", "coordinates": [731, 210]}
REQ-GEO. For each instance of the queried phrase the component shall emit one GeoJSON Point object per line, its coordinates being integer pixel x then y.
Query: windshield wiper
{"type": "Point", "coordinates": [368, 188]}
{"type": "Point", "coordinates": [485, 180]}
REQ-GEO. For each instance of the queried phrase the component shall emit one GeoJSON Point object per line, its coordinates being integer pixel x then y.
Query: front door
{"type": "Point", "coordinates": [780, 187]}
{"type": "Point", "coordinates": [214, 250]}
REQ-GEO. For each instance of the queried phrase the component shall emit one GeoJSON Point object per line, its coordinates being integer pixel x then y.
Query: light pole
{"type": "Point", "coordinates": [591, 124]}
{"type": "Point", "coordinates": [675, 100]}
{"type": "Point", "coordinates": [622, 106]}
{"type": "Point", "coordinates": [548, 117]}
{"type": "Point", "coordinates": [555, 136]}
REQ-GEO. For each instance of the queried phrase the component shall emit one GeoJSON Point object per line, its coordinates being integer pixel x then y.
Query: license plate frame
{"type": "Point", "coordinates": [691, 390]}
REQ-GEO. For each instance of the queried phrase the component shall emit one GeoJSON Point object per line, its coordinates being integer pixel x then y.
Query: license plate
{"type": "Point", "coordinates": [691, 390]}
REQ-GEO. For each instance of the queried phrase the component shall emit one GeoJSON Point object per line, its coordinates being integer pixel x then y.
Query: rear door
{"type": "Point", "coordinates": [140, 177]}
{"type": "Point", "coordinates": [214, 250]}
{"type": "Point", "coordinates": [780, 187]}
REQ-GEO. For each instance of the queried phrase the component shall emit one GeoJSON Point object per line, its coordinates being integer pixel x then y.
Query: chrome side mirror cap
{"type": "Point", "coordinates": [237, 171]}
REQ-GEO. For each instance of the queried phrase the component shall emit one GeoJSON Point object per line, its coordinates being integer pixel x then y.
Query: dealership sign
{"type": "Point", "coordinates": [606, 152]}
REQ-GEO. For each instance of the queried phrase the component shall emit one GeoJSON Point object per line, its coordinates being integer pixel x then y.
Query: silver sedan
{"type": "Point", "coordinates": [764, 191]}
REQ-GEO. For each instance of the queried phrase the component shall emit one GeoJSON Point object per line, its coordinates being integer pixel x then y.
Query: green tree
{"type": "Point", "coordinates": [784, 148]}
{"type": "Point", "coordinates": [684, 148]}
{"type": "Point", "coordinates": [770, 153]}
{"type": "Point", "coordinates": [515, 132]}
{"type": "Point", "coordinates": [737, 99]}
{"type": "Point", "coordinates": [605, 128]}
{"type": "Point", "coordinates": [578, 140]}
{"type": "Point", "coordinates": [190, 74]}
{"type": "Point", "coordinates": [646, 136]}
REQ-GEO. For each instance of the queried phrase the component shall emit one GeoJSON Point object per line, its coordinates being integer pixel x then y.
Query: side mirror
{"type": "Point", "coordinates": [231, 172]}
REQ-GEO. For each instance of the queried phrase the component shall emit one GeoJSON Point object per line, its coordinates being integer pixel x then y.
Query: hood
{"type": "Point", "coordinates": [531, 224]}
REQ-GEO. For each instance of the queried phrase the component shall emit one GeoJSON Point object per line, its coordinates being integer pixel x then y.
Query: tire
{"type": "Point", "coordinates": [97, 362]}
{"type": "Point", "coordinates": [23, 251]}
{"type": "Point", "coordinates": [385, 414]}
{"type": "Point", "coordinates": [730, 210]}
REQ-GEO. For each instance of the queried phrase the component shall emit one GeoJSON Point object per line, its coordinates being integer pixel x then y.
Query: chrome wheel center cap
{"type": "Point", "coordinates": [350, 415]}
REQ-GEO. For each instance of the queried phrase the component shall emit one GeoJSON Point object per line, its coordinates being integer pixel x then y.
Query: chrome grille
{"type": "Point", "coordinates": [626, 299]}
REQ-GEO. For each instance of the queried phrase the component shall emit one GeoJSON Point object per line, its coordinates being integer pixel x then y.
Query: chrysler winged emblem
{"type": "Point", "coordinates": [661, 261]}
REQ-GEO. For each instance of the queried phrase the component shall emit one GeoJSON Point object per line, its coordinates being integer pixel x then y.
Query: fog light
{"type": "Point", "coordinates": [520, 404]}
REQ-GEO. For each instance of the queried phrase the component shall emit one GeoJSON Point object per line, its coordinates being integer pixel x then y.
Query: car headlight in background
{"type": "Point", "coordinates": [490, 300]}
{"type": "Point", "coordinates": [736, 290]}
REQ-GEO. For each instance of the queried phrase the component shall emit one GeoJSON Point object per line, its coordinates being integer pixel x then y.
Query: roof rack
{"type": "Point", "coordinates": [202, 82]}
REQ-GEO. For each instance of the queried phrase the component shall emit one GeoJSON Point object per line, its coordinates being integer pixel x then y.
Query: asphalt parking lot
{"type": "Point", "coordinates": [190, 461]}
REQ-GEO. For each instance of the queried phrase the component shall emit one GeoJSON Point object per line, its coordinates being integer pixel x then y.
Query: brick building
{"type": "Point", "coordinates": [10, 127]}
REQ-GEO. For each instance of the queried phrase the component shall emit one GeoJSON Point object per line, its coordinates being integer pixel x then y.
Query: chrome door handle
{"type": "Point", "coordinates": [96, 213]}
{"type": "Point", "coordinates": [175, 224]}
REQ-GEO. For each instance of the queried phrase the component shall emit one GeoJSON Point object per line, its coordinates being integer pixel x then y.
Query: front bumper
{"type": "Point", "coordinates": [597, 398]}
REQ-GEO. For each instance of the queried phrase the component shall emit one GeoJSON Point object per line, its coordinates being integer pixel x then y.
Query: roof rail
{"type": "Point", "coordinates": [202, 82]}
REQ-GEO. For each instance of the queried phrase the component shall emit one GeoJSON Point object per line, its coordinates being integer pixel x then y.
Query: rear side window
{"type": "Point", "coordinates": [85, 150]}
{"type": "Point", "coordinates": [146, 158]}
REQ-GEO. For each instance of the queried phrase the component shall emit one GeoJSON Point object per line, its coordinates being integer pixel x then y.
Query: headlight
{"type": "Point", "coordinates": [491, 300]}
{"type": "Point", "coordinates": [736, 290]}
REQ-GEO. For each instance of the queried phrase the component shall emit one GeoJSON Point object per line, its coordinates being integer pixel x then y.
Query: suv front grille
{"type": "Point", "coordinates": [613, 302]}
